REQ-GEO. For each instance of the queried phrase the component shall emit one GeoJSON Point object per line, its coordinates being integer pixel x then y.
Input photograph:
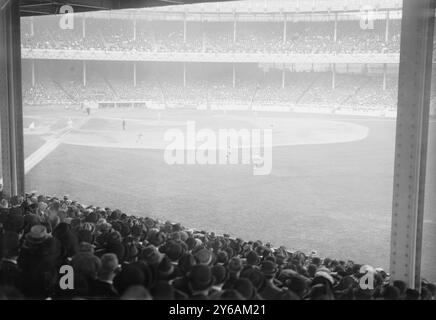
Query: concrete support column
{"type": "Point", "coordinates": [84, 73]}
{"type": "Point", "coordinates": [11, 109]}
{"type": "Point", "coordinates": [203, 38]}
{"type": "Point", "coordinates": [185, 28]}
{"type": "Point", "coordinates": [387, 27]}
{"type": "Point", "coordinates": [335, 31]}
{"type": "Point", "coordinates": [285, 28]}
{"type": "Point", "coordinates": [283, 76]}
{"type": "Point", "coordinates": [184, 74]}
{"type": "Point", "coordinates": [333, 66]}
{"type": "Point", "coordinates": [235, 26]}
{"type": "Point", "coordinates": [134, 74]}
{"type": "Point", "coordinates": [32, 66]}
{"type": "Point", "coordinates": [234, 75]}
{"type": "Point", "coordinates": [84, 27]}
{"type": "Point", "coordinates": [32, 27]}
{"type": "Point", "coordinates": [134, 29]}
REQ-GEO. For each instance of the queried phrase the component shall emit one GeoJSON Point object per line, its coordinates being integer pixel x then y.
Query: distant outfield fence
{"type": "Point", "coordinates": [236, 105]}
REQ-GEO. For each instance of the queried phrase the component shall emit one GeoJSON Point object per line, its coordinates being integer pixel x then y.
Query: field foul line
{"type": "Point", "coordinates": [48, 147]}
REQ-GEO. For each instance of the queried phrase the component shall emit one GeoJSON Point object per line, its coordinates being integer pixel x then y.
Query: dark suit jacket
{"type": "Point", "coordinates": [103, 290]}
{"type": "Point", "coordinates": [270, 292]}
{"type": "Point", "coordinates": [10, 274]}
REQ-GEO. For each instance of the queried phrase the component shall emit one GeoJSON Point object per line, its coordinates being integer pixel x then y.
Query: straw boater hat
{"type": "Point", "coordinates": [37, 234]}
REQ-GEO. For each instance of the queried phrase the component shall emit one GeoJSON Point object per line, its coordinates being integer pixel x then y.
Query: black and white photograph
{"type": "Point", "coordinates": [237, 150]}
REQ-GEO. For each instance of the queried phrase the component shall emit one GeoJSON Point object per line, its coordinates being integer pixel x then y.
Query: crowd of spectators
{"type": "Point", "coordinates": [261, 37]}
{"type": "Point", "coordinates": [301, 88]}
{"type": "Point", "coordinates": [352, 91]}
{"type": "Point", "coordinates": [98, 90]}
{"type": "Point", "coordinates": [371, 94]}
{"type": "Point", "coordinates": [117, 256]}
{"type": "Point", "coordinates": [216, 37]}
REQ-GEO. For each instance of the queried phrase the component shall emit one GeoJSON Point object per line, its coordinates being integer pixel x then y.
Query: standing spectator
{"type": "Point", "coordinates": [103, 286]}
{"type": "Point", "coordinates": [10, 272]}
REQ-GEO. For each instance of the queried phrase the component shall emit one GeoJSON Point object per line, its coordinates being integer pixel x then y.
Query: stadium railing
{"type": "Point", "coordinates": [102, 55]}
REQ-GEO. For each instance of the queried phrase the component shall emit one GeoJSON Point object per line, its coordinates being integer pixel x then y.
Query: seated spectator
{"type": "Point", "coordinates": [269, 291]}
{"type": "Point", "coordinates": [103, 286]}
{"type": "Point", "coordinates": [10, 273]}
{"type": "Point", "coordinates": [200, 281]}
{"type": "Point", "coordinates": [116, 256]}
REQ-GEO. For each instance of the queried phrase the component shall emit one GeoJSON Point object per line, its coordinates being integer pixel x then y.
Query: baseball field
{"type": "Point", "coordinates": [329, 189]}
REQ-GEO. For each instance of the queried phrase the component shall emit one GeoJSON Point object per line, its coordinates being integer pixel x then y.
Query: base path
{"type": "Point", "coordinates": [149, 134]}
{"type": "Point", "coordinates": [51, 144]}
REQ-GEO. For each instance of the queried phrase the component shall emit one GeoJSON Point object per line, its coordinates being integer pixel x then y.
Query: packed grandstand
{"type": "Point", "coordinates": [339, 55]}
{"type": "Point", "coordinates": [115, 255]}
{"type": "Point", "coordinates": [305, 88]}
{"type": "Point", "coordinates": [216, 37]}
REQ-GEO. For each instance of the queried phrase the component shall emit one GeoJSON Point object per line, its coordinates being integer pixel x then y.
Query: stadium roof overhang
{"type": "Point", "coordinates": [45, 7]}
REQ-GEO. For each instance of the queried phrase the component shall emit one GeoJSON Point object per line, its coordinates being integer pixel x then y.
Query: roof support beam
{"type": "Point", "coordinates": [411, 140]}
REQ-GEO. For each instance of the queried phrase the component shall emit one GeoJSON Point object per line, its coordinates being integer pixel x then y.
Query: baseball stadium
{"type": "Point", "coordinates": [103, 90]}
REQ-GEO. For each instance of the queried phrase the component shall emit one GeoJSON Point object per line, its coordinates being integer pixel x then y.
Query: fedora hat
{"type": "Point", "coordinates": [200, 278]}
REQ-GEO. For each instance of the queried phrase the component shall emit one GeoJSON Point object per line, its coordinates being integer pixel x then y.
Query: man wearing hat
{"type": "Point", "coordinates": [165, 269]}
{"type": "Point", "coordinates": [234, 266]}
{"type": "Point", "coordinates": [220, 274]}
{"type": "Point", "coordinates": [245, 288]}
{"type": "Point", "coordinates": [87, 264]}
{"type": "Point", "coordinates": [103, 286]}
{"type": "Point", "coordinates": [14, 222]}
{"type": "Point", "coordinates": [200, 280]}
{"type": "Point", "coordinates": [269, 291]}
{"type": "Point", "coordinates": [37, 235]}
{"type": "Point", "coordinates": [174, 250]}
{"type": "Point", "coordinates": [203, 256]}
{"type": "Point", "coordinates": [252, 260]}
{"type": "Point", "coordinates": [255, 276]}
{"type": "Point", "coordinates": [151, 255]}
{"type": "Point", "coordinates": [33, 240]}
{"type": "Point", "coordinates": [130, 275]}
